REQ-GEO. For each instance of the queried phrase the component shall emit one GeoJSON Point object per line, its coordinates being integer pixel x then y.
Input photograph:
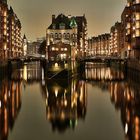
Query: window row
{"type": "Point", "coordinates": [57, 49]}
{"type": "Point", "coordinates": [65, 35]}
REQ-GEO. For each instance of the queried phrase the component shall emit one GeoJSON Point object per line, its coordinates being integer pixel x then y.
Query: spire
{"type": "Point", "coordinates": [73, 23]}
{"type": "Point", "coordinates": [24, 37]}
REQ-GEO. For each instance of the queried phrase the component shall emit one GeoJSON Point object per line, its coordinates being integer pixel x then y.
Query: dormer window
{"type": "Point", "coordinates": [62, 26]}
{"type": "Point", "coordinates": [53, 26]}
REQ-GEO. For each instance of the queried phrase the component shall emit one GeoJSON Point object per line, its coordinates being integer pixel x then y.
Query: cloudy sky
{"type": "Point", "coordinates": [35, 15]}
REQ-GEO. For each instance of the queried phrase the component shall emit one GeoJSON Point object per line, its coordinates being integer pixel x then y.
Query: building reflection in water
{"type": "Point", "coordinates": [126, 98]}
{"type": "Point", "coordinates": [124, 95]}
{"type": "Point", "coordinates": [10, 104]}
{"type": "Point", "coordinates": [102, 72]}
{"type": "Point", "coordinates": [10, 94]}
{"type": "Point", "coordinates": [66, 103]}
{"type": "Point", "coordinates": [29, 73]}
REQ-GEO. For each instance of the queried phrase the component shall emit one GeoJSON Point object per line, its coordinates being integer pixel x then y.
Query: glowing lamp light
{"type": "Point", "coordinates": [126, 128]}
{"type": "Point", "coordinates": [56, 92]}
{"type": "Point", "coordinates": [56, 65]}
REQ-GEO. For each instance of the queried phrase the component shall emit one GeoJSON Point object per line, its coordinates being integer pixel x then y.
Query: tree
{"type": "Point", "coordinates": [42, 48]}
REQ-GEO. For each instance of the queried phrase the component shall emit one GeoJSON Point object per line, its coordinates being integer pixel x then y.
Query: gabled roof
{"type": "Point", "coordinates": [62, 20]}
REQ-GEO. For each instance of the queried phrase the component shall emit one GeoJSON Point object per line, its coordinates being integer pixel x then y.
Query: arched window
{"type": "Point", "coordinates": [68, 35]}
{"type": "Point", "coordinates": [56, 35]}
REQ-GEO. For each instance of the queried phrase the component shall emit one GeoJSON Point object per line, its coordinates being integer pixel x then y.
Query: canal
{"type": "Point", "coordinates": [101, 103]}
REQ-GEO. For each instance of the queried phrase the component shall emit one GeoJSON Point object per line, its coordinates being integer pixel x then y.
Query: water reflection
{"type": "Point", "coordinates": [94, 72]}
{"type": "Point", "coordinates": [10, 105]}
{"type": "Point", "coordinates": [126, 98]}
{"type": "Point", "coordinates": [66, 103]}
{"type": "Point", "coordinates": [124, 95]}
{"type": "Point", "coordinates": [66, 100]}
{"type": "Point", "coordinates": [28, 73]}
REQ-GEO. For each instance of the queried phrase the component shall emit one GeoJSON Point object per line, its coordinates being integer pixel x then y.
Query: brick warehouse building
{"type": "Point", "coordinates": [10, 32]}
{"type": "Point", "coordinates": [66, 30]}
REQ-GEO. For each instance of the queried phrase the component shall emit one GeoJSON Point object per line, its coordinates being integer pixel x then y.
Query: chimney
{"type": "Point", "coordinates": [53, 18]}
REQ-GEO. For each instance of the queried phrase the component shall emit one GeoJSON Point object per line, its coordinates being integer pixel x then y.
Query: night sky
{"type": "Point", "coordinates": [35, 15]}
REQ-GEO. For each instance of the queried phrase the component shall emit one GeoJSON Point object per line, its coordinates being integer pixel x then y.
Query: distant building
{"type": "Point", "coordinates": [24, 45]}
{"type": "Point", "coordinates": [67, 30]}
{"type": "Point", "coordinates": [99, 46]}
{"type": "Point", "coordinates": [32, 48]}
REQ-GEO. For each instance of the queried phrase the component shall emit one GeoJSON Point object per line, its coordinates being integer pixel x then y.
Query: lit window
{"type": "Point", "coordinates": [53, 49]}
{"type": "Point", "coordinates": [138, 24]}
{"type": "Point", "coordinates": [128, 25]}
{"type": "Point", "coordinates": [128, 4]}
{"type": "Point", "coordinates": [65, 49]}
{"type": "Point", "coordinates": [128, 31]}
{"type": "Point", "coordinates": [62, 49]}
{"type": "Point", "coordinates": [137, 1]}
{"type": "Point", "coordinates": [134, 28]}
{"type": "Point", "coordinates": [137, 15]}
{"type": "Point", "coordinates": [134, 36]}
{"type": "Point", "coordinates": [137, 33]}
{"type": "Point", "coordinates": [5, 13]}
{"type": "Point", "coordinates": [57, 49]}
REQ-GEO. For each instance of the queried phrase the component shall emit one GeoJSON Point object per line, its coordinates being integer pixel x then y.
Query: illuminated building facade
{"type": "Point", "coordinates": [3, 28]}
{"type": "Point", "coordinates": [82, 41]}
{"type": "Point", "coordinates": [14, 35]}
{"type": "Point", "coordinates": [10, 32]}
{"type": "Point", "coordinates": [99, 46]}
{"type": "Point", "coordinates": [63, 30]}
{"type": "Point", "coordinates": [67, 30]}
{"type": "Point", "coordinates": [133, 28]}
{"type": "Point", "coordinates": [116, 39]}
{"type": "Point", "coordinates": [125, 20]}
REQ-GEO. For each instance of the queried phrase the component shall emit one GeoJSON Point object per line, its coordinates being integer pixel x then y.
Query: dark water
{"type": "Point", "coordinates": [101, 104]}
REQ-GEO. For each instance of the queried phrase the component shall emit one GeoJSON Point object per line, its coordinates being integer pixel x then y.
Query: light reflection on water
{"type": "Point", "coordinates": [100, 104]}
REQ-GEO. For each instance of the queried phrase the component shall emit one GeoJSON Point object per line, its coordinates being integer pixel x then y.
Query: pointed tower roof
{"type": "Point", "coordinates": [73, 22]}
{"type": "Point", "coordinates": [24, 37]}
